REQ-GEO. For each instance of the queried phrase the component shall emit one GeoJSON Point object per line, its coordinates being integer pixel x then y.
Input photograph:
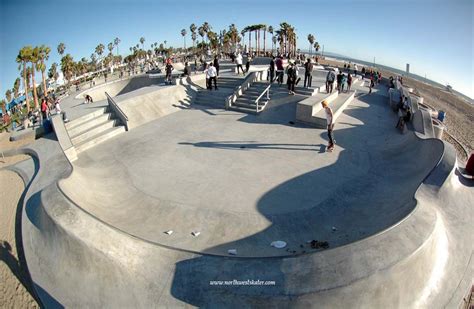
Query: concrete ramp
{"type": "Point", "coordinates": [147, 104]}
{"type": "Point", "coordinates": [119, 87]}
{"type": "Point", "coordinates": [93, 232]}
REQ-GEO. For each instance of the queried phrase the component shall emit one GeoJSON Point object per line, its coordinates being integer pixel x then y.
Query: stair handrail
{"type": "Point", "coordinates": [117, 110]}
{"type": "Point", "coordinates": [251, 78]}
{"type": "Point", "coordinates": [267, 91]}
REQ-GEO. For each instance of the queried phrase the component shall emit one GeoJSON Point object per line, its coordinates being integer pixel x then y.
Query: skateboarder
{"type": "Point", "coordinates": [329, 119]}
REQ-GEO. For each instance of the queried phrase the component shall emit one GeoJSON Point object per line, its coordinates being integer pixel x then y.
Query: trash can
{"type": "Point", "coordinates": [441, 115]}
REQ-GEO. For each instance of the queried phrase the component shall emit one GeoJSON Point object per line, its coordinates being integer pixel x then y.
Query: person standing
{"type": "Point", "coordinates": [330, 77]}
{"type": "Point", "coordinates": [238, 60]}
{"type": "Point", "coordinates": [212, 74]}
{"type": "Point", "coordinates": [169, 68]}
{"type": "Point", "coordinates": [279, 70]}
{"type": "Point", "coordinates": [271, 69]}
{"type": "Point", "coordinates": [291, 78]}
{"type": "Point", "coordinates": [371, 84]}
{"type": "Point", "coordinates": [216, 64]}
{"type": "Point", "coordinates": [44, 109]}
{"type": "Point", "coordinates": [247, 64]}
{"type": "Point", "coordinates": [339, 81]}
{"type": "Point", "coordinates": [343, 82]}
{"type": "Point", "coordinates": [308, 71]}
{"type": "Point", "coordinates": [349, 81]}
{"type": "Point", "coordinates": [330, 124]}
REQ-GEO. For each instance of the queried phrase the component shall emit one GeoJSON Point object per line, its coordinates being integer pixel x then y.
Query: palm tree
{"type": "Point", "coordinates": [99, 50]}
{"type": "Point", "coordinates": [264, 28]}
{"type": "Point", "coordinates": [316, 46]}
{"type": "Point", "coordinates": [53, 72]}
{"type": "Point", "coordinates": [274, 41]}
{"type": "Point", "coordinates": [311, 41]}
{"type": "Point", "coordinates": [243, 34]}
{"type": "Point", "coordinates": [110, 47]}
{"type": "Point", "coordinates": [34, 59]}
{"type": "Point", "coordinates": [23, 57]}
{"type": "Point", "coordinates": [8, 95]}
{"type": "Point", "coordinates": [201, 32]}
{"type": "Point", "coordinates": [206, 27]}
{"type": "Point", "coordinates": [142, 40]}
{"type": "Point", "coordinates": [116, 43]}
{"type": "Point", "coordinates": [67, 67]}
{"type": "Point", "coordinates": [61, 48]}
{"type": "Point", "coordinates": [193, 37]}
{"type": "Point", "coordinates": [16, 87]}
{"type": "Point", "coordinates": [43, 56]}
{"type": "Point", "coordinates": [183, 33]}
{"type": "Point", "coordinates": [270, 30]}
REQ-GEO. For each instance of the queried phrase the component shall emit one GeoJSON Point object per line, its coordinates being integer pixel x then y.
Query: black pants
{"type": "Point", "coordinates": [217, 69]}
{"type": "Point", "coordinates": [239, 67]}
{"type": "Point", "coordinates": [215, 82]}
{"type": "Point", "coordinates": [329, 86]}
{"type": "Point", "coordinates": [291, 84]}
{"type": "Point", "coordinates": [307, 80]}
{"type": "Point", "coordinates": [280, 77]}
{"type": "Point", "coordinates": [272, 76]}
{"type": "Point", "coordinates": [330, 136]}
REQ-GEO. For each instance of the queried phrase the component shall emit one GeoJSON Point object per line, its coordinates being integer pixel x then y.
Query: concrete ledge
{"type": "Point", "coordinates": [306, 109]}
{"type": "Point", "coordinates": [63, 138]}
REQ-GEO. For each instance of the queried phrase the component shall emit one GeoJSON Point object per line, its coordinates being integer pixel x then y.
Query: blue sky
{"type": "Point", "coordinates": [435, 37]}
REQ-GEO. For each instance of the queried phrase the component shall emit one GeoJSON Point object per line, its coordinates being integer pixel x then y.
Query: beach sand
{"type": "Point", "coordinates": [459, 113]}
{"type": "Point", "coordinates": [14, 281]}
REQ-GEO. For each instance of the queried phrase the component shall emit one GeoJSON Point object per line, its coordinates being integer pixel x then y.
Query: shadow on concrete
{"type": "Point", "coordinates": [377, 192]}
{"type": "Point", "coordinates": [21, 274]}
{"type": "Point", "coordinates": [249, 145]}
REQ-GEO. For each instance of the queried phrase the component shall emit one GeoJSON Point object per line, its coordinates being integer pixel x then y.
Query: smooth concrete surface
{"type": "Point", "coordinates": [402, 218]}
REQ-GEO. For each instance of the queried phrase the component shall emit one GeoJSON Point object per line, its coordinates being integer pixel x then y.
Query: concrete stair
{"type": "Point", "coordinates": [246, 102]}
{"type": "Point", "coordinates": [92, 129]}
{"type": "Point", "coordinates": [216, 98]}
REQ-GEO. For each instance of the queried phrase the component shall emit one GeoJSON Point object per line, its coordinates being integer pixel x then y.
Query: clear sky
{"type": "Point", "coordinates": [435, 37]}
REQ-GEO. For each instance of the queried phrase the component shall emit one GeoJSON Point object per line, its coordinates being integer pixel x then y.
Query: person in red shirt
{"type": "Point", "coordinates": [44, 109]}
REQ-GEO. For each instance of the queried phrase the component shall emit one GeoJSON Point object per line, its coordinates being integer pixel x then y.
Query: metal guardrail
{"type": "Point", "coordinates": [117, 110]}
{"type": "Point", "coordinates": [251, 78]}
{"type": "Point", "coordinates": [267, 91]}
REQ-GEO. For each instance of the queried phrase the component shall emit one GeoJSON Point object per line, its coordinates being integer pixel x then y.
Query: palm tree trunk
{"type": "Point", "coordinates": [264, 40]}
{"type": "Point", "coordinates": [256, 42]}
{"type": "Point", "coordinates": [35, 95]}
{"type": "Point", "coordinates": [25, 84]}
{"type": "Point", "coordinates": [45, 89]}
{"type": "Point", "coordinates": [250, 40]}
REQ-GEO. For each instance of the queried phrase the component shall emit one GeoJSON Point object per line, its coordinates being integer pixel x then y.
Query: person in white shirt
{"type": "Point", "coordinates": [330, 123]}
{"type": "Point", "coordinates": [212, 76]}
{"type": "Point", "coordinates": [239, 60]}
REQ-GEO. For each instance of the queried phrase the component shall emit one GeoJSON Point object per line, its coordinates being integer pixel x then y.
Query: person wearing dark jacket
{"type": "Point", "coordinates": [271, 69]}
{"type": "Point", "coordinates": [339, 81]}
{"type": "Point", "coordinates": [308, 70]}
{"type": "Point", "coordinates": [216, 64]}
{"type": "Point", "coordinates": [291, 78]}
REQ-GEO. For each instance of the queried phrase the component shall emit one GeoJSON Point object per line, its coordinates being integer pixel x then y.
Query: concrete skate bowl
{"type": "Point", "coordinates": [113, 247]}
{"type": "Point", "coordinates": [120, 87]}
{"type": "Point", "coordinates": [123, 201]}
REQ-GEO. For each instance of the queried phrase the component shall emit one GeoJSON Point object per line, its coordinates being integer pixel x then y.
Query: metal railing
{"type": "Point", "coordinates": [117, 110]}
{"type": "Point", "coordinates": [267, 91]}
{"type": "Point", "coordinates": [248, 81]}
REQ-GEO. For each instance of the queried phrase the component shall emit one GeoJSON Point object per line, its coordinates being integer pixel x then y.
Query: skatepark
{"type": "Point", "coordinates": [169, 195]}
